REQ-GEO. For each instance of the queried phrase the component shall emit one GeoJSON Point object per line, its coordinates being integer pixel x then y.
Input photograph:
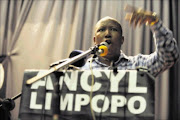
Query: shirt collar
{"type": "Point", "coordinates": [122, 57]}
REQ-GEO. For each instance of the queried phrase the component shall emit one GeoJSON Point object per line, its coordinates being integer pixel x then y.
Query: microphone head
{"type": "Point", "coordinates": [104, 50]}
{"type": "Point", "coordinates": [80, 62]}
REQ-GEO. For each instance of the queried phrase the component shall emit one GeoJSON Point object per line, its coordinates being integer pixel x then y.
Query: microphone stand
{"type": "Point", "coordinates": [62, 65]}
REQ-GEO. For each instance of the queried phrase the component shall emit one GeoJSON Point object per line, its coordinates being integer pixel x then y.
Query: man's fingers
{"type": "Point", "coordinates": [143, 20]}
{"type": "Point", "coordinates": [133, 17]}
{"type": "Point", "coordinates": [138, 18]}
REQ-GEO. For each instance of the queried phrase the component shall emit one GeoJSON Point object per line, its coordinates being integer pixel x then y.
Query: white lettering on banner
{"type": "Point", "coordinates": [115, 79]}
{"type": "Point", "coordinates": [34, 105]}
{"type": "Point", "coordinates": [117, 101]}
{"type": "Point", "coordinates": [77, 101]}
{"type": "Point", "coordinates": [84, 81]}
{"type": "Point", "coordinates": [36, 85]}
{"type": "Point", "coordinates": [33, 99]}
{"type": "Point", "coordinates": [132, 88]}
{"type": "Point", "coordinates": [48, 101]}
{"type": "Point", "coordinates": [42, 82]}
{"type": "Point", "coordinates": [81, 100]}
{"type": "Point", "coordinates": [142, 104]}
{"type": "Point", "coordinates": [71, 82]}
{"type": "Point", "coordinates": [95, 100]}
{"type": "Point", "coordinates": [67, 102]}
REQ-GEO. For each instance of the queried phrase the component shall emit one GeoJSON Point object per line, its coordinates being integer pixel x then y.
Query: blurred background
{"type": "Point", "coordinates": [35, 33]}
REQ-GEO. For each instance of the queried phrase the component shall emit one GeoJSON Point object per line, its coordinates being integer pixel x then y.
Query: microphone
{"type": "Point", "coordinates": [74, 53]}
{"type": "Point", "coordinates": [103, 48]}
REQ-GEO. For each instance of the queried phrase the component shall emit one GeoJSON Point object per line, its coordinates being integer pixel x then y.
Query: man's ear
{"type": "Point", "coordinates": [94, 39]}
{"type": "Point", "coordinates": [122, 40]}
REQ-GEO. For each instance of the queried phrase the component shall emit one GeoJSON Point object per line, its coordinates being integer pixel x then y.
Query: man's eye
{"type": "Point", "coordinates": [100, 30]}
{"type": "Point", "coordinates": [114, 29]}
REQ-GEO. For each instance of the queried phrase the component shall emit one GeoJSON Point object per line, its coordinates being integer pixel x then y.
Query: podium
{"type": "Point", "coordinates": [126, 95]}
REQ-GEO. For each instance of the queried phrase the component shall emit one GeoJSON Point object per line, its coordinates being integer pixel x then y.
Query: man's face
{"type": "Point", "coordinates": [109, 29]}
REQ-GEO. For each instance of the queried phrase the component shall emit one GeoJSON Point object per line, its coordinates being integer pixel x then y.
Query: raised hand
{"type": "Point", "coordinates": [139, 16]}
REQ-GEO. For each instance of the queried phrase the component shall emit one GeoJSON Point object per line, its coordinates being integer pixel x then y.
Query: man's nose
{"type": "Point", "coordinates": [108, 34]}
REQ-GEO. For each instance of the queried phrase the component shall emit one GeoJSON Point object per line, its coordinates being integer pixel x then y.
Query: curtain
{"type": "Point", "coordinates": [35, 33]}
{"type": "Point", "coordinates": [174, 77]}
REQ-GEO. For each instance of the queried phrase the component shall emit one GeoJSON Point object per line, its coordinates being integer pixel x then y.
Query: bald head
{"type": "Point", "coordinates": [110, 19]}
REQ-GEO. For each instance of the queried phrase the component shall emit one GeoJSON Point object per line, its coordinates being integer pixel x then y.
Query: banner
{"type": "Point", "coordinates": [122, 95]}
